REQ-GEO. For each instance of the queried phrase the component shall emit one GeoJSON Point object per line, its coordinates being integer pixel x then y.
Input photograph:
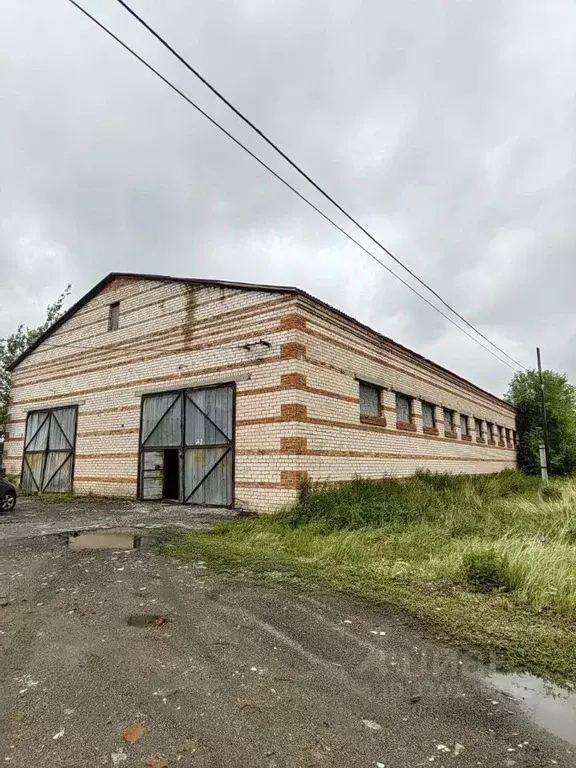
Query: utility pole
{"type": "Point", "coordinates": [544, 416]}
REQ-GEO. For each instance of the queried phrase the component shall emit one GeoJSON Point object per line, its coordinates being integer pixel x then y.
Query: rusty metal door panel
{"type": "Point", "coordinates": [49, 449]}
{"type": "Point", "coordinates": [152, 475]}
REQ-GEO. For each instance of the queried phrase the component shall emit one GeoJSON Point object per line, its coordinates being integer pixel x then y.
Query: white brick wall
{"type": "Point", "coordinates": [338, 353]}
{"type": "Point", "coordinates": [297, 403]}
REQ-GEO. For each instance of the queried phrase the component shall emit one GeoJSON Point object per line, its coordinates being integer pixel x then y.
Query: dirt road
{"type": "Point", "coordinates": [37, 517]}
{"type": "Point", "coordinates": [239, 675]}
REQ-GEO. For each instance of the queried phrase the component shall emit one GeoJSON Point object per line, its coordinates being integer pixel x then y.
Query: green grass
{"type": "Point", "coordinates": [490, 561]}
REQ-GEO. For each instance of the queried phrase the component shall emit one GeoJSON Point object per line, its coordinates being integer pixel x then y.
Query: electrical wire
{"type": "Point", "coordinates": [283, 181]}
{"type": "Point", "coordinates": [308, 178]}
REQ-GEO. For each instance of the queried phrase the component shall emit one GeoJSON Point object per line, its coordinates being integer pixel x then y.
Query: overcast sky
{"type": "Point", "coordinates": [447, 128]}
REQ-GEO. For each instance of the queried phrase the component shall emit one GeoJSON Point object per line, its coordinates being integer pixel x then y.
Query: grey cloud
{"type": "Point", "coordinates": [447, 128]}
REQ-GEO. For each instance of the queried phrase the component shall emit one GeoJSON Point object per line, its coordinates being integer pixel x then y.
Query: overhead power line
{"type": "Point", "coordinates": [287, 184]}
{"type": "Point", "coordinates": [308, 178]}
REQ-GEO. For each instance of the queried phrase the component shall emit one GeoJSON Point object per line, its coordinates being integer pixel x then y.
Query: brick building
{"type": "Point", "coordinates": [226, 393]}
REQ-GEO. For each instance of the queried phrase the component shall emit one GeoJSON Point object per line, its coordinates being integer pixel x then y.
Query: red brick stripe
{"type": "Point", "coordinates": [372, 338]}
{"type": "Point", "coordinates": [361, 455]}
{"type": "Point", "coordinates": [386, 361]}
{"type": "Point", "coordinates": [125, 359]}
{"type": "Point", "coordinates": [160, 380]}
{"type": "Point", "coordinates": [289, 414]}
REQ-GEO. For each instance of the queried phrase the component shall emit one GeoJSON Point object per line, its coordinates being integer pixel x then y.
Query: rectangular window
{"type": "Point", "coordinates": [403, 409]}
{"type": "Point", "coordinates": [478, 429]}
{"type": "Point", "coordinates": [448, 420]}
{"type": "Point", "coordinates": [464, 426]}
{"type": "Point", "coordinates": [369, 400]}
{"type": "Point", "coordinates": [114, 316]}
{"type": "Point", "coordinates": [490, 430]}
{"type": "Point", "coordinates": [428, 415]}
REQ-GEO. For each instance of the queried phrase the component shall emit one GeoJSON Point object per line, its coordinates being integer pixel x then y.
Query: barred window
{"type": "Point", "coordinates": [403, 409]}
{"type": "Point", "coordinates": [448, 420]}
{"type": "Point", "coordinates": [428, 415]}
{"type": "Point", "coordinates": [369, 400]}
{"type": "Point", "coordinates": [464, 425]}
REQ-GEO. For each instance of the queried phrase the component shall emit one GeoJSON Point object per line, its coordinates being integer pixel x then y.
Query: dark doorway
{"type": "Point", "coordinates": [171, 488]}
{"type": "Point", "coordinates": [187, 446]}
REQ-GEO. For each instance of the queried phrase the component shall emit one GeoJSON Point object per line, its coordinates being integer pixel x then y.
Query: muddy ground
{"type": "Point", "coordinates": [240, 674]}
{"type": "Point", "coordinates": [35, 516]}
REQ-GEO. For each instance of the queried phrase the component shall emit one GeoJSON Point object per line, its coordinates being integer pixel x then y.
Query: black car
{"type": "Point", "coordinates": [7, 496]}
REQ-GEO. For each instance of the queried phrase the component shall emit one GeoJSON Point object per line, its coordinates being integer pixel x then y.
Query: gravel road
{"type": "Point", "coordinates": [240, 674]}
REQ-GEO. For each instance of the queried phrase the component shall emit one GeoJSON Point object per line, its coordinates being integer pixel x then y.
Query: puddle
{"type": "Point", "coordinates": [104, 540]}
{"type": "Point", "coordinates": [545, 704]}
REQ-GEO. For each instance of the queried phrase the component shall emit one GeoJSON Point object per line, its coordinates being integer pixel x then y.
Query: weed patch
{"type": "Point", "coordinates": [486, 571]}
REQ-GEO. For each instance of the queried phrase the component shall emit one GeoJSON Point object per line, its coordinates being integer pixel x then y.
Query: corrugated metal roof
{"type": "Point", "coordinates": [245, 287]}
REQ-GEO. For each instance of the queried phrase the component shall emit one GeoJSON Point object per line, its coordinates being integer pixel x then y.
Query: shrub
{"type": "Point", "coordinates": [486, 570]}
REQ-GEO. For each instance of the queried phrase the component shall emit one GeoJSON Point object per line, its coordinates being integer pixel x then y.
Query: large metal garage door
{"type": "Point", "coordinates": [187, 446]}
{"type": "Point", "coordinates": [49, 448]}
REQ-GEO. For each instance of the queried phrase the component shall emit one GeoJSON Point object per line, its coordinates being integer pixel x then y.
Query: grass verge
{"type": "Point", "coordinates": [491, 562]}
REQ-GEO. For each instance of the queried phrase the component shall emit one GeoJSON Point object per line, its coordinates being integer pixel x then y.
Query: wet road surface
{"type": "Point", "coordinates": [241, 674]}
{"type": "Point", "coordinates": [35, 516]}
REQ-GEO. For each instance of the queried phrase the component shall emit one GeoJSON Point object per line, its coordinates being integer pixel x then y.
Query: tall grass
{"type": "Point", "coordinates": [424, 528]}
{"type": "Point", "coordinates": [428, 543]}
{"type": "Point", "coordinates": [462, 503]}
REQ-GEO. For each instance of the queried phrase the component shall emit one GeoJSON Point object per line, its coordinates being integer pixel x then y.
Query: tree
{"type": "Point", "coordinates": [525, 394]}
{"type": "Point", "coordinates": [12, 347]}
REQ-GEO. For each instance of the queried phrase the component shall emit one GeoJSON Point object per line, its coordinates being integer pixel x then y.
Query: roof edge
{"type": "Point", "coordinates": [410, 352]}
{"type": "Point", "coordinates": [249, 287]}
{"type": "Point", "coordinates": [61, 320]}
{"type": "Point", "coordinates": [138, 276]}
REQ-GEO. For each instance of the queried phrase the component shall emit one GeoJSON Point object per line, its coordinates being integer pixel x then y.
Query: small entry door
{"type": "Point", "coordinates": [152, 475]}
{"type": "Point", "coordinates": [187, 446]}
